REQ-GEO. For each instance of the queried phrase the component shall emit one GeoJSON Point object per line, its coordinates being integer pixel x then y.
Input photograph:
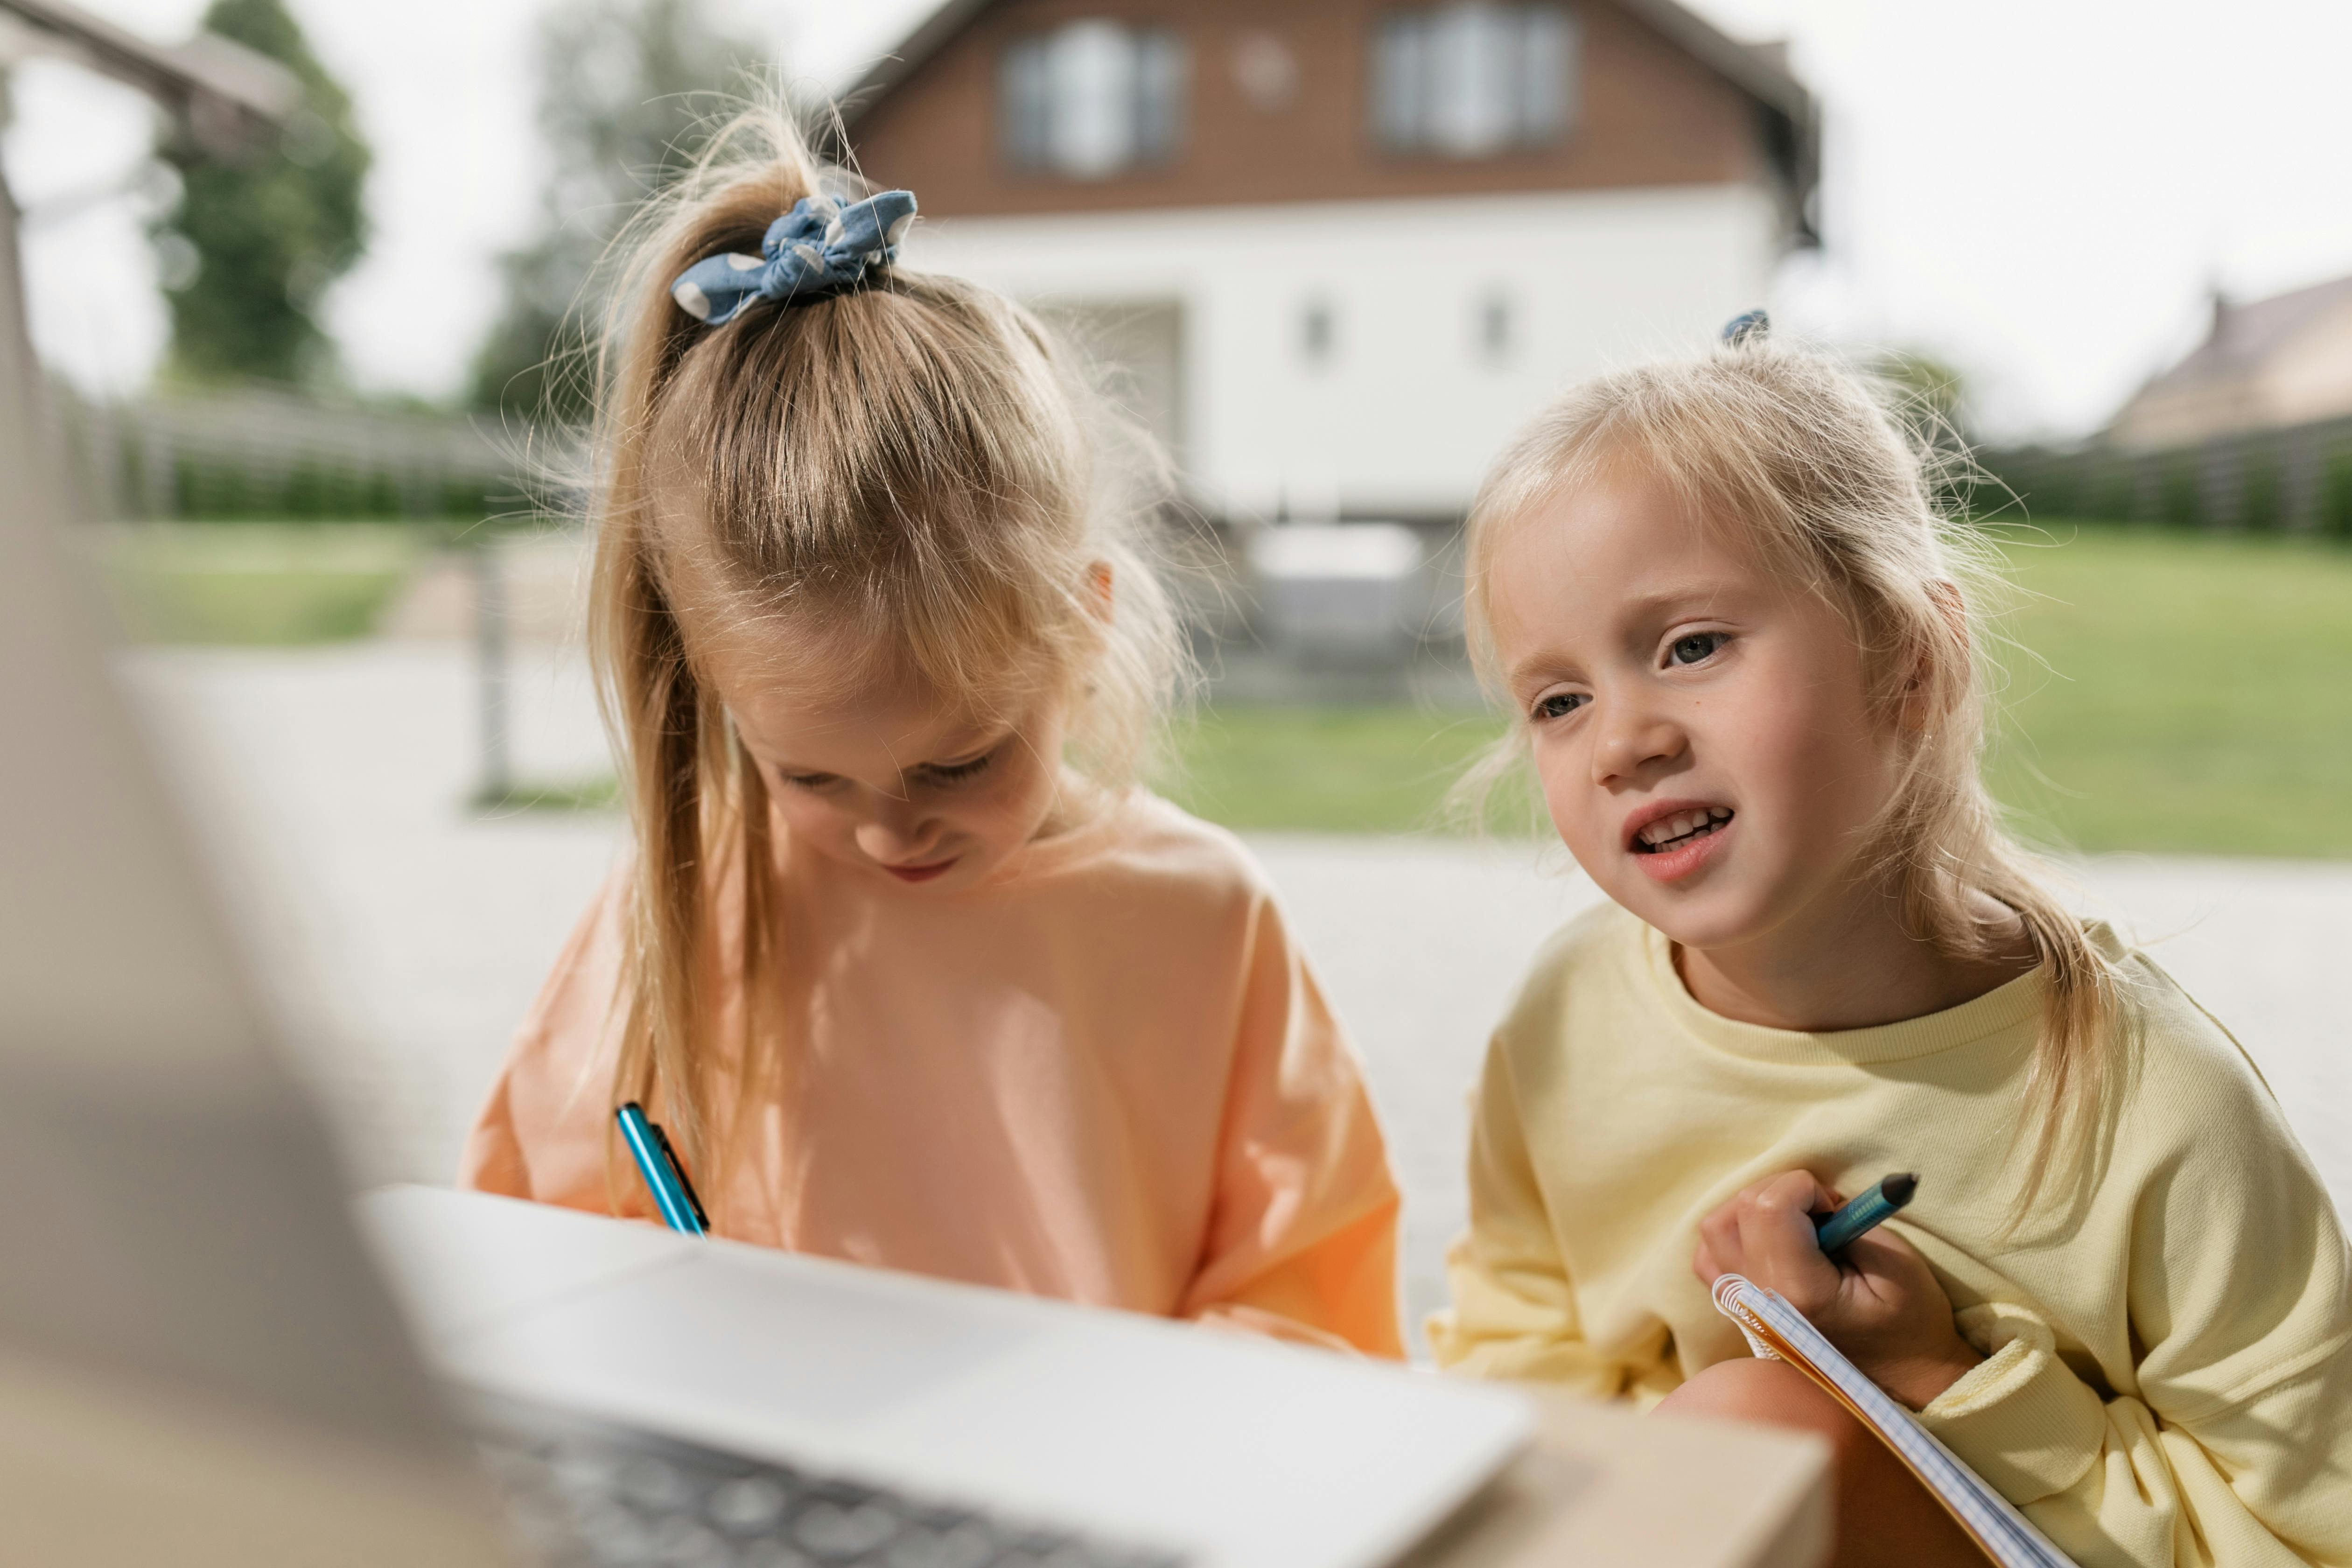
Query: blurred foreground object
{"type": "Point", "coordinates": [1034, 1421]}
{"type": "Point", "coordinates": [196, 1363]}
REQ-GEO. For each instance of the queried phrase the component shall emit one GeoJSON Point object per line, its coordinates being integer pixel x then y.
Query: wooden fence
{"type": "Point", "coordinates": [258, 454]}
{"type": "Point", "coordinates": [2298, 479]}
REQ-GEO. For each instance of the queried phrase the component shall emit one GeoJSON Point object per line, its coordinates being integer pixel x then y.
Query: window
{"type": "Point", "coordinates": [1092, 99]}
{"type": "Point", "coordinates": [1318, 333]}
{"type": "Point", "coordinates": [1473, 79]}
{"type": "Point", "coordinates": [1493, 326]}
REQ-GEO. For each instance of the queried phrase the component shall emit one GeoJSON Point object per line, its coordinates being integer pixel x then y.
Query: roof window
{"type": "Point", "coordinates": [1473, 78]}
{"type": "Point", "coordinates": [1092, 99]}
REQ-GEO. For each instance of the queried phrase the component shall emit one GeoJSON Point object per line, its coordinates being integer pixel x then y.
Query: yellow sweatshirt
{"type": "Point", "coordinates": [2168, 1379]}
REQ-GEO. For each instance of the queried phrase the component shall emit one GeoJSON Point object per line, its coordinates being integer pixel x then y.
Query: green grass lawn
{"type": "Point", "coordinates": [2198, 693]}
{"type": "Point", "coordinates": [270, 584]}
{"type": "Point", "coordinates": [2174, 692]}
{"type": "Point", "coordinates": [2170, 692]}
{"type": "Point", "coordinates": [1333, 770]}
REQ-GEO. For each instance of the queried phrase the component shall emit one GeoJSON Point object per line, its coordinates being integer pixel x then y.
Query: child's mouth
{"type": "Point", "coordinates": [1668, 834]}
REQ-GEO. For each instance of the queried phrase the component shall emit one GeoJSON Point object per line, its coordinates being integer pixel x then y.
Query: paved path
{"type": "Point", "coordinates": [406, 935]}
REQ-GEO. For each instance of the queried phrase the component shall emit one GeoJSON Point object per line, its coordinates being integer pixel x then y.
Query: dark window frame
{"type": "Point", "coordinates": [1402, 94]}
{"type": "Point", "coordinates": [1159, 94]}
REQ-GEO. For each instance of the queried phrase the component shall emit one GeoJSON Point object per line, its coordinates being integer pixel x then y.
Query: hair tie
{"type": "Point", "coordinates": [820, 248]}
{"type": "Point", "coordinates": [1746, 328]}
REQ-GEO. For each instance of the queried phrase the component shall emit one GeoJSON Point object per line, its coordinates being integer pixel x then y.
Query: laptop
{"type": "Point", "coordinates": [959, 1425]}
{"type": "Point", "coordinates": [202, 1360]}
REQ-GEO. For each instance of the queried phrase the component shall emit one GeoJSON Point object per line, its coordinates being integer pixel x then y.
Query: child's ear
{"type": "Point", "coordinates": [1920, 689]}
{"type": "Point", "coordinates": [1098, 585]}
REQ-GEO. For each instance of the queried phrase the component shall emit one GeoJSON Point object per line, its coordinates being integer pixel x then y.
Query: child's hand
{"type": "Point", "coordinates": [1877, 1302]}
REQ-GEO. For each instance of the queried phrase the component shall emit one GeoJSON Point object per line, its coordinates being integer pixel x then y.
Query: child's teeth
{"type": "Point", "coordinates": [1683, 824]}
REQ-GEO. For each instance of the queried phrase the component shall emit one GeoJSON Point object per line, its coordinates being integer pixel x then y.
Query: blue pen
{"type": "Point", "coordinates": [680, 1209]}
{"type": "Point", "coordinates": [1865, 1212]}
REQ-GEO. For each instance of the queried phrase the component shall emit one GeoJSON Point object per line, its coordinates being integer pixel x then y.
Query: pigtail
{"type": "Point", "coordinates": [698, 811]}
{"type": "Point", "coordinates": [653, 710]}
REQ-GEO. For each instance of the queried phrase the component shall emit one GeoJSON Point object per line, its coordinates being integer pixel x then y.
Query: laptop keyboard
{"type": "Point", "coordinates": [588, 1494]}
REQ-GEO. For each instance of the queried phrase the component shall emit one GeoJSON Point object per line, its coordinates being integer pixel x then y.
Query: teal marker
{"type": "Point", "coordinates": [658, 1163]}
{"type": "Point", "coordinates": [1874, 1208]}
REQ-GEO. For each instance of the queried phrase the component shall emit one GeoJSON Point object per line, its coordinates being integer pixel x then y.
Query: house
{"type": "Point", "coordinates": [2265, 365]}
{"type": "Point", "coordinates": [1339, 248]}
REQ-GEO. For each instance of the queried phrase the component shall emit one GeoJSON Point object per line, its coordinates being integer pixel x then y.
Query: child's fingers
{"type": "Point", "coordinates": [1891, 1268]}
{"type": "Point", "coordinates": [1719, 1241]}
{"type": "Point", "coordinates": [1776, 1239]}
{"type": "Point", "coordinates": [1784, 1202]}
{"type": "Point", "coordinates": [1722, 1234]}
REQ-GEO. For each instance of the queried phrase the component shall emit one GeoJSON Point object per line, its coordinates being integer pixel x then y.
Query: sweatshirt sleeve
{"type": "Point", "coordinates": [540, 1135]}
{"type": "Point", "coordinates": [1513, 1313]}
{"type": "Point", "coordinates": [1302, 1239]}
{"type": "Point", "coordinates": [2233, 1447]}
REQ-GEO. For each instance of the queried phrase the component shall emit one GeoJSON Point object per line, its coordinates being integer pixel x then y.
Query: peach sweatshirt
{"type": "Point", "coordinates": [1106, 1074]}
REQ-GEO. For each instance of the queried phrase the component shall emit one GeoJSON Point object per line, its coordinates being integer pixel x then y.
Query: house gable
{"type": "Point", "coordinates": [2264, 364]}
{"type": "Point", "coordinates": [1660, 99]}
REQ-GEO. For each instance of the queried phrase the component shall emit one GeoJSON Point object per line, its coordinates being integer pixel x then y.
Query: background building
{"type": "Point", "coordinates": [2265, 364]}
{"type": "Point", "coordinates": [1341, 247]}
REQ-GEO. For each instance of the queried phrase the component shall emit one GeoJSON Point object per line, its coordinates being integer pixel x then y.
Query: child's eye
{"type": "Point", "coordinates": [810, 781]}
{"type": "Point", "coordinates": [1697, 648]}
{"type": "Point", "coordinates": [955, 773]}
{"type": "Point", "coordinates": [1559, 704]}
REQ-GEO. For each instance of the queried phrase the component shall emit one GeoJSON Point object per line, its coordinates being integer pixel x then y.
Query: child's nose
{"type": "Point", "coordinates": [1632, 741]}
{"type": "Point", "coordinates": [895, 831]}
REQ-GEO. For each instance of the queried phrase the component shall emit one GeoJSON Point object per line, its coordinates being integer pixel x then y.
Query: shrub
{"type": "Point", "coordinates": [2260, 490]}
{"type": "Point", "coordinates": [2336, 495]}
{"type": "Point", "coordinates": [2179, 490]}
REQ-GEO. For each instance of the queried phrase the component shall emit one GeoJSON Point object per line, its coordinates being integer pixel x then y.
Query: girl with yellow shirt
{"type": "Point", "coordinates": [1746, 658]}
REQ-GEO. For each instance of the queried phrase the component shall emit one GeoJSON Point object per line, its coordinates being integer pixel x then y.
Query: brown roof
{"type": "Point", "coordinates": [2244, 336]}
{"type": "Point", "coordinates": [1792, 120]}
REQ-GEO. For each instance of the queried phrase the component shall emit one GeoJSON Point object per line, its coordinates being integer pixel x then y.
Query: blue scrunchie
{"type": "Point", "coordinates": [1748, 327]}
{"type": "Point", "coordinates": [819, 247]}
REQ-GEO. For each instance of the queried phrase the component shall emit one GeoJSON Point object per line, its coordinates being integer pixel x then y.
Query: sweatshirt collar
{"type": "Point", "coordinates": [2005, 1007]}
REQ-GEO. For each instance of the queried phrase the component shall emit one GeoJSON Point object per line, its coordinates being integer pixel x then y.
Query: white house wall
{"type": "Point", "coordinates": [1408, 410]}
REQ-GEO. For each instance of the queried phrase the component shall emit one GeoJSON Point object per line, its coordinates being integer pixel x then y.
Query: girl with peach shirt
{"type": "Point", "coordinates": [913, 970]}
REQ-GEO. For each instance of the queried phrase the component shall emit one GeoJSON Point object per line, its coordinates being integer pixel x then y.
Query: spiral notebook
{"type": "Point", "coordinates": [1779, 1331]}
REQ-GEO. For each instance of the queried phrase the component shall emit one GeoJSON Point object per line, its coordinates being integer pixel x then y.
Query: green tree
{"type": "Point", "coordinates": [627, 91]}
{"type": "Point", "coordinates": [251, 246]}
{"type": "Point", "coordinates": [1933, 395]}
